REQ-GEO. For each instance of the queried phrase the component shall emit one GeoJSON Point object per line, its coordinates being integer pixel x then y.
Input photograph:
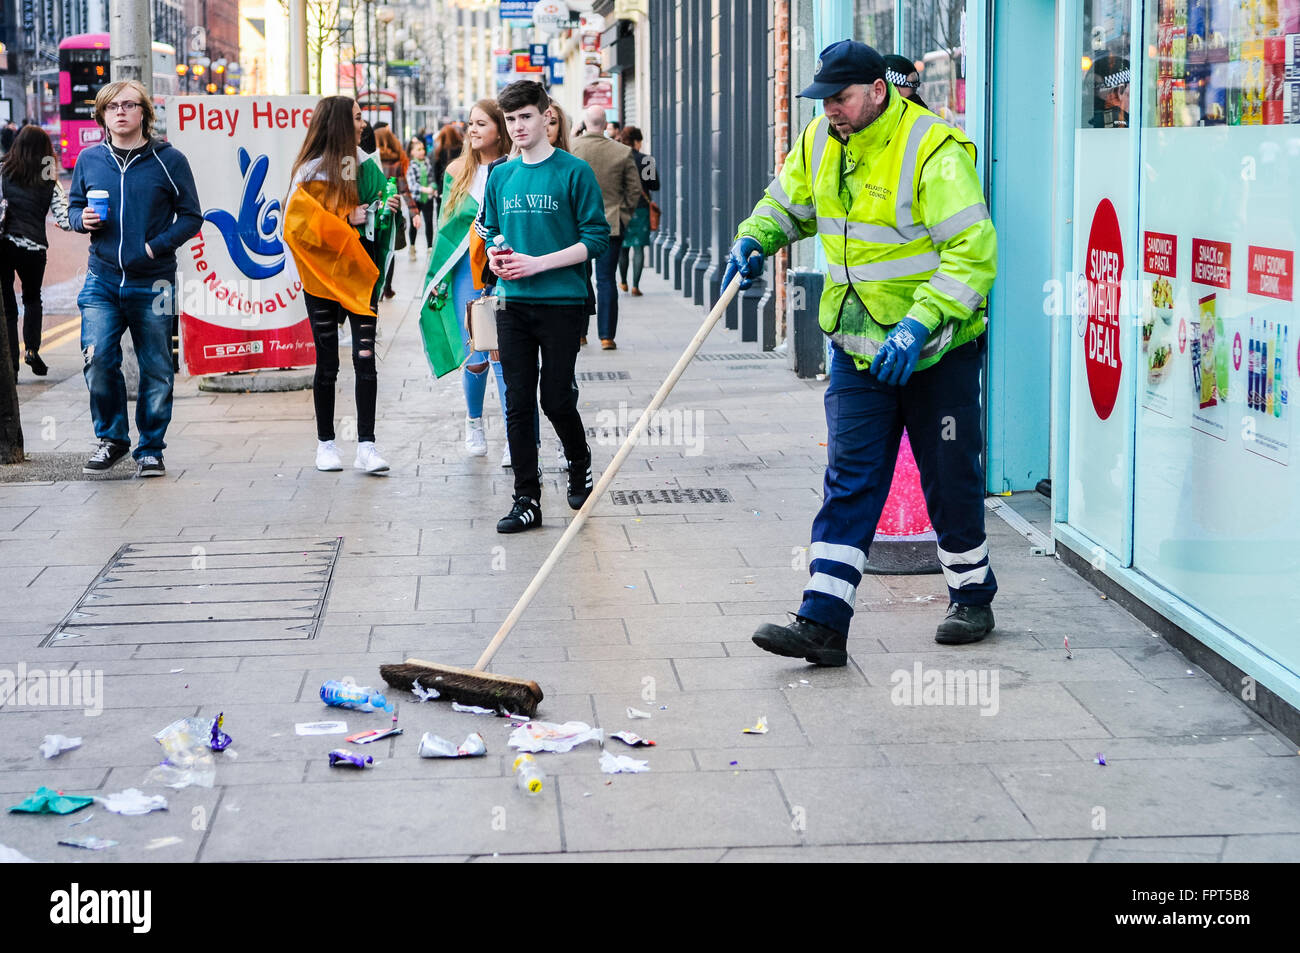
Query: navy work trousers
{"type": "Point", "coordinates": [940, 407]}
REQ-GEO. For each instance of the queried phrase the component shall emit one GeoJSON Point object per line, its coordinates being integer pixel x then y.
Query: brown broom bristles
{"type": "Point", "coordinates": [497, 692]}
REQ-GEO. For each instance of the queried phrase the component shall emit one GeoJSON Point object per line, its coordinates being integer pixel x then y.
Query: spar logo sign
{"type": "Point", "coordinates": [1102, 274]}
{"type": "Point", "coordinates": [253, 238]}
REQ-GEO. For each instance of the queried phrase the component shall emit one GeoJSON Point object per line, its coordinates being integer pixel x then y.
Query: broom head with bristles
{"type": "Point", "coordinates": [516, 695]}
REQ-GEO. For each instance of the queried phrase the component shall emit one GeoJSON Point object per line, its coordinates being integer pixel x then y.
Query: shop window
{"type": "Point", "coordinates": [873, 24]}
{"type": "Point", "coordinates": [1105, 64]}
{"type": "Point", "coordinates": [934, 39]}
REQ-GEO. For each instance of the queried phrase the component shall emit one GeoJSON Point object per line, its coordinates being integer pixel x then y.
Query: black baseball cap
{"type": "Point", "coordinates": [844, 64]}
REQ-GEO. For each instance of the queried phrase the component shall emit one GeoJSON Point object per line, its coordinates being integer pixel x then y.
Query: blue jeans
{"type": "Point", "coordinates": [607, 290]}
{"type": "Point", "coordinates": [107, 311]}
{"type": "Point", "coordinates": [940, 407]}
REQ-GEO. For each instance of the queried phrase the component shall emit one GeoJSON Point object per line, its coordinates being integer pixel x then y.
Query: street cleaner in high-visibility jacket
{"type": "Point", "coordinates": [892, 192]}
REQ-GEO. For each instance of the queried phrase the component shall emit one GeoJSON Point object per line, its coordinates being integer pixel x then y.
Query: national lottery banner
{"type": "Point", "coordinates": [240, 299]}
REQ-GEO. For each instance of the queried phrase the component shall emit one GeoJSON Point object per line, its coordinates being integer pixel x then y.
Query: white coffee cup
{"type": "Point", "coordinates": [97, 199]}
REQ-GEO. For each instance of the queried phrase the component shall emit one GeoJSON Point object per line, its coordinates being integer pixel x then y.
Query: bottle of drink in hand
{"type": "Point", "coordinates": [500, 246]}
{"type": "Point", "coordinates": [390, 191]}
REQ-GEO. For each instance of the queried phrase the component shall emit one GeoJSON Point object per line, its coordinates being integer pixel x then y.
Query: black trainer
{"type": "Point", "coordinates": [964, 624]}
{"type": "Point", "coordinates": [108, 453]}
{"type": "Point", "coordinates": [804, 639]}
{"type": "Point", "coordinates": [579, 481]}
{"type": "Point", "coordinates": [149, 466]}
{"type": "Point", "coordinates": [525, 514]}
{"type": "Point", "coordinates": [33, 360]}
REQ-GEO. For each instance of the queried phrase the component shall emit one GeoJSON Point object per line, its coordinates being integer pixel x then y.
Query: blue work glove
{"type": "Point", "coordinates": [897, 357]}
{"type": "Point", "coordinates": [746, 257]}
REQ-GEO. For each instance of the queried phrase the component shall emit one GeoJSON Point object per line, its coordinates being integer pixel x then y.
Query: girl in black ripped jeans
{"type": "Point", "coordinates": [333, 187]}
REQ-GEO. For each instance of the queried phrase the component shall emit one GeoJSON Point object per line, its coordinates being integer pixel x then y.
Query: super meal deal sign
{"type": "Point", "coordinates": [240, 298]}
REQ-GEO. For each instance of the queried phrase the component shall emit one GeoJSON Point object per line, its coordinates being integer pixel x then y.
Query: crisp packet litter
{"type": "Point", "coordinates": [433, 746]}
{"type": "Point", "coordinates": [548, 736]}
{"type": "Point", "coordinates": [635, 740]}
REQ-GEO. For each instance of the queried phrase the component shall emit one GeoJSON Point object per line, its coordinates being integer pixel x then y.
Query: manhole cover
{"type": "Point", "coordinates": [738, 356]}
{"type": "Point", "coordinates": [637, 497]}
{"type": "Point", "coordinates": [588, 376]}
{"type": "Point", "coordinates": [209, 591]}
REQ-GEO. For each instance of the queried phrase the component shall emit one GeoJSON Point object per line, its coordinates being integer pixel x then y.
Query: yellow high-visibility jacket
{"type": "Point", "coordinates": [917, 242]}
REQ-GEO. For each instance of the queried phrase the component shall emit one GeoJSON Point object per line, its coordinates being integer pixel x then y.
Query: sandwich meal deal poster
{"type": "Point", "coordinates": [240, 299]}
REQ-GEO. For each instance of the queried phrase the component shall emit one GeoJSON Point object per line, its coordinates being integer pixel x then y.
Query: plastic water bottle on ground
{"type": "Point", "coordinates": [528, 775]}
{"type": "Point", "coordinates": [343, 695]}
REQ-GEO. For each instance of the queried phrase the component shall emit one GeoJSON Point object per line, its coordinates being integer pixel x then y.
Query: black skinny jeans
{"type": "Point", "coordinates": [525, 332]}
{"type": "Point", "coordinates": [426, 209]}
{"type": "Point", "coordinates": [326, 315]}
{"type": "Point", "coordinates": [30, 268]}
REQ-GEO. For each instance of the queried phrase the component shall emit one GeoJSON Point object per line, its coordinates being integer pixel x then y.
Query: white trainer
{"type": "Point", "coordinates": [327, 456]}
{"type": "Point", "coordinates": [368, 459]}
{"type": "Point", "coordinates": [505, 458]}
{"type": "Point", "coordinates": [475, 437]}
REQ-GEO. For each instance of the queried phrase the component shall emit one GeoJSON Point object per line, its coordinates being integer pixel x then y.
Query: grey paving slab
{"type": "Point", "coordinates": [1260, 745]}
{"type": "Point", "coordinates": [1158, 850]}
{"type": "Point", "coordinates": [1164, 707]}
{"type": "Point", "coordinates": [1220, 796]}
{"type": "Point", "coordinates": [661, 811]}
{"type": "Point", "coordinates": [982, 852]}
{"type": "Point", "coordinates": [1024, 713]}
{"type": "Point", "coordinates": [468, 815]}
{"type": "Point", "coordinates": [166, 691]}
{"type": "Point", "coordinates": [1261, 848]}
{"type": "Point", "coordinates": [703, 719]}
{"type": "Point", "coordinates": [896, 804]}
{"type": "Point", "coordinates": [706, 856]}
{"type": "Point", "coordinates": [771, 671]}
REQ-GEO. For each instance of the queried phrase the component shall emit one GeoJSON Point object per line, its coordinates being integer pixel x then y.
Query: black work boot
{"type": "Point", "coordinates": [804, 639]}
{"type": "Point", "coordinates": [964, 624]}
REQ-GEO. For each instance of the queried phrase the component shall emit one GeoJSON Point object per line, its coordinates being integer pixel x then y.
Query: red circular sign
{"type": "Point", "coordinates": [1236, 351]}
{"type": "Point", "coordinates": [1103, 271]}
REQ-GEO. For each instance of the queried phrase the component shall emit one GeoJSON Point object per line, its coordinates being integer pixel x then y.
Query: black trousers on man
{"type": "Point", "coordinates": [525, 332]}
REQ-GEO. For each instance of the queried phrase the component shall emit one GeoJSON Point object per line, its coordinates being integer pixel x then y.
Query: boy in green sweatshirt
{"type": "Point", "coordinates": [547, 205]}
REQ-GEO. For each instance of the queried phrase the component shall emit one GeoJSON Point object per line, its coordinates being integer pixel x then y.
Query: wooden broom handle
{"type": "Point", "coordinates": [608, 476]}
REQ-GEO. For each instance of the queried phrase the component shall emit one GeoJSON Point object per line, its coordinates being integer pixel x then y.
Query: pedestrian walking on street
{"type": "Point", "coordinates": [452, 279]}
{"type": "Point", "coordinates": [902, 75]}
{"type": "Point", "coordinates": [136, 196]}
{"type": "Point", "coordinates": [548, 208]}
{"type": "Point", "coordinates": [7, 135]}
{"type": "Point", "coordinates": [557, 127]}
{"type": "Point", "coordinates": [893, 194]}
{"type": "Point", "coordinates": [30, 187]}
{"type": "Point", "coordinates": [620, 185]}
{"type": "Point", "coordinates": [447, 148]}
{"type": "Point", "coordinates": [637, 236]}
{"type": "Point", "coordinates": [334, 190]}
{"type": "Point", "coordinates": [419, 179]}
{"type": "Point", "coordinates": [396, 164]}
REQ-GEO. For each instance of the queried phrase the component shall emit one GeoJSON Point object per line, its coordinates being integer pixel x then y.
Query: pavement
{"type": "Point", "coordinates": [244, 579]}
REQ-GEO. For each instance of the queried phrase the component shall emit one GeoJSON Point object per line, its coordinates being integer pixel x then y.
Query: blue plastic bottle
{"type": "Point", "coordinates": [340, 695]}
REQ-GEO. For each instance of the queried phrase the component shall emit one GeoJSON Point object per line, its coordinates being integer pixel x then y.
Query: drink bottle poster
{"type": "Point", "coordinates": [239, 297]}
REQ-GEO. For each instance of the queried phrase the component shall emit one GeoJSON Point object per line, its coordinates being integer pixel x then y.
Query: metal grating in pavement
{"type": "Point", "coordinates": [589, 376]}
{"type": "Point", "coordinates": [685, 495]}
{"type": "Point", "coordinates": [206, 591]}
{"type": "Point", "coordinates": [739, 356]}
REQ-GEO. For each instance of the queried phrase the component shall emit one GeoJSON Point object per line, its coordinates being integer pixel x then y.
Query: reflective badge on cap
{"type": "Point", "coordinates": [818, 67]}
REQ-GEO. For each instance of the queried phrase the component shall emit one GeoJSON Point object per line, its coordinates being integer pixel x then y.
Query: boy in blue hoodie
{"type": "Point", "coordinates": [153, 209]}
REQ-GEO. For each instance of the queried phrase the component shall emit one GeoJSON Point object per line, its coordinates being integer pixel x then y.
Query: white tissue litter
{"type": "Point", "coordinates": [548, 736]}
{"type": "Point", "coordinates": [636, 713]}
{"type": "Point", "coordinates": [422, 693]}
{"type": "Point", "coordinates": [621, 764]}
{"type": "Point", "coordinates": [133, 802]}
{"type": "Point", "coordinates": [433, 746]}
{"type": "Point", "coordinates": [54, 745]}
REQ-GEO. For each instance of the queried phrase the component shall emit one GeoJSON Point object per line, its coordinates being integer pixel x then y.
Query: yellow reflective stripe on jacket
{"type": "Point", "coordinates": [922, 264]}
{"type": "Point", "coordinates": [873, 234]}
